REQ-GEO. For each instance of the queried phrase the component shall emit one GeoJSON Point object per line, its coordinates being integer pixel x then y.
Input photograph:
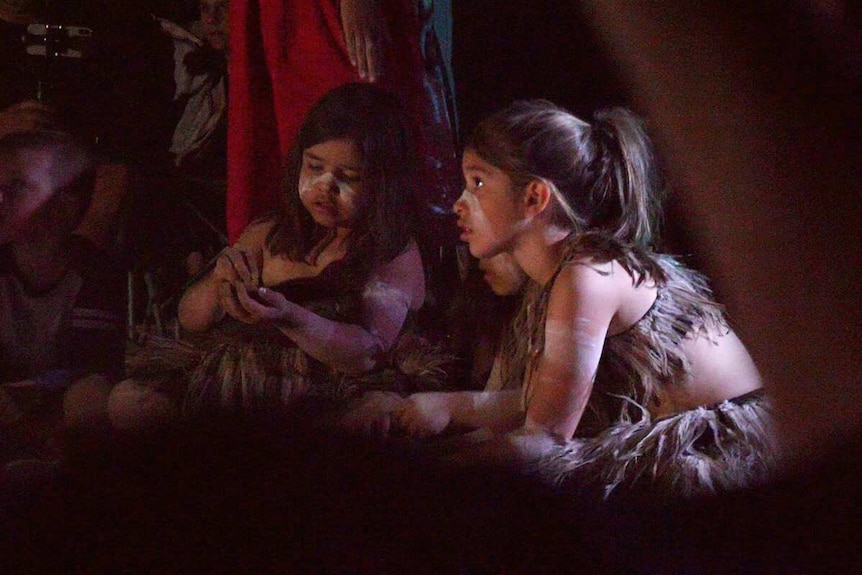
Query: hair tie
{"type": "Point", "coordinates": [605, 133]}
{"type": "Point", "coordinates": [602, 147]}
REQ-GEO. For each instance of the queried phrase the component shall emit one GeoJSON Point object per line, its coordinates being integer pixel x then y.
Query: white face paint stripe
{"type": "Point", "coordinates": [306, 185]}
{"type": "Point", "coordinates": [477, 217]}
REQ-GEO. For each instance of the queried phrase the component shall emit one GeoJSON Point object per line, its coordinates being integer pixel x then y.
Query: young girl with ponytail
{"type": "Point", "coordinates": [631, 374]}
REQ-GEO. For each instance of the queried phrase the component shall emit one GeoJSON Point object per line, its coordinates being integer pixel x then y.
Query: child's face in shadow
{"type": "Point", "coordinates": [503, 274]}
{"type": "Point", "coordinates": [330, 182]}
{"type": "Point", "coordinates": [214, 15]}
{"type": "Point", "coordinates": [26, 188]}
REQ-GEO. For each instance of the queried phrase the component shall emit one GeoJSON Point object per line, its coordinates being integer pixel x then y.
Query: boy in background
{"type": "Point", "coordinates": [61, 301]}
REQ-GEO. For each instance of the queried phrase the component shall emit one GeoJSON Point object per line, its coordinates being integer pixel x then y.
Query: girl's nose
{"type": "Point", "coordinates": [328, 184]}
{"type": "Point", "coordinates": [458, 206]}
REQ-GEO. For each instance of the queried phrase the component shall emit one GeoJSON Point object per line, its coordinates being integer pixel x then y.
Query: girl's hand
{"type": "Point", "coordinates": [229, 301]}
{"type": "Point", "coordinates": [256, 305]}
{"type": "Point", "coordinates": [372, 416]}
{"type": "Point", "coordinates": [365, 35]}
{"type": "Point", "coordinates": [424, 414]}
{"type": "Point", "coordinates": [237, 263]}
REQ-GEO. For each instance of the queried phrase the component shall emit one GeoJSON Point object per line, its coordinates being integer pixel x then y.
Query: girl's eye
{"type": "Point", "coordinates": [477, 183]}
{"type": "Point", "coordinates": [314, 167]}
{"type": "Point", "coordinates": [351, 178]}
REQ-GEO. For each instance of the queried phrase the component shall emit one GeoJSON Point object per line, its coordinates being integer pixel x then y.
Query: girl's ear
{"type": "Point", "coordinates": [537, 197]}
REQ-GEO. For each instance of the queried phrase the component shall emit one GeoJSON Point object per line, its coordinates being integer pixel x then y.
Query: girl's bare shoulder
{"type": "Point", "coordinates": [591, 277]}
{"type": "Point", "coordinates": [605, 289]}
{"type": "Point", "coordinates": [585, 286]}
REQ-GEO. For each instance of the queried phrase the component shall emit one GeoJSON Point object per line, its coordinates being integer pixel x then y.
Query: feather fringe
{"type": "Point", "coordinates": [698, 452]}
{"type": "Point", "coordinates": [247, 371]}
{"type": "Point", "coordinates": [642, 361]}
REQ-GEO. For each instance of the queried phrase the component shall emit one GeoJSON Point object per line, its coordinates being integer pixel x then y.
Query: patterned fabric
{"type": "Point", "coordinates": [51, 338]}
{"type": "Point", "coordinates": [201, 87]}
{"type": "Point", "coordinates": [74, 328]}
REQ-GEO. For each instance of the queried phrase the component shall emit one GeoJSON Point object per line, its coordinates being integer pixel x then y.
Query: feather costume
{"type": "Point", "coordinates": [699, 452]}
{"type": "Point", "coordinates": [248, 370]}
{"type": "Point", "coordinates": [618, 442]}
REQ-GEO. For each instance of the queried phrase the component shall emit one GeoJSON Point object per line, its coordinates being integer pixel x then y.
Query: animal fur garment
{"type": "Point", "coordinates": [240, 369]}
{"type": "Point", "coordinates": [648, 358]}
{"type": "Point", "coordinates": [698, 452]}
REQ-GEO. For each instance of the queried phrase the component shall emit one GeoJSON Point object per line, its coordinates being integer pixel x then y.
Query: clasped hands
{"type": "Point", "coordinates": [241, 295]}
{"type": "Point", "coordinates": [418, 416]}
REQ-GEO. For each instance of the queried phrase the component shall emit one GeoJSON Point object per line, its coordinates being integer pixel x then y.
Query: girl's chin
{"type": "Point", "coordinates": [333, 225]}
{"type": "Point", "coordinates": [476, 251]}
{"type": "Point", "coordinates": [324, 220]}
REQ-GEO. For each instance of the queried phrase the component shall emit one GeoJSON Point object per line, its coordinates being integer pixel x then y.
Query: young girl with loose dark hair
{"type": "Point", "coordinates": [618, 343]}
{"type": "Point", "coordinates": [381, 230]}
{"type": "Point", "coordinates": [313, 294]}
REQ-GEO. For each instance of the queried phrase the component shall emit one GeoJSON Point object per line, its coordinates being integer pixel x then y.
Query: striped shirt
{"type": "Point", "coordinates": [74, 328]}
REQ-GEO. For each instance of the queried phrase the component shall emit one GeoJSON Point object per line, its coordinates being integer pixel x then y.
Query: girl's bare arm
{"type": "Point", "coordinates": [581, 306]}
{"type": "Point", "coordinates": [392, 292]}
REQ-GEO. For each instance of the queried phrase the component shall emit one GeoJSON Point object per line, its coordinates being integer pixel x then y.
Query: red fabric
{"type": "Point", "coordinates": [284, 56]}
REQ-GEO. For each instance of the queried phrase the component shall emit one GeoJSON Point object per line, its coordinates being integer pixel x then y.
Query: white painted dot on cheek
{"type": "Point", "coordinates": [345, 190]}
{"type": "Point", "coordinates": [304, 187]}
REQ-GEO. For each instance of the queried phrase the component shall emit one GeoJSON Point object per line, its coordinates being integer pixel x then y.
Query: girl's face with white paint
{"type": "Point", "coordinates": [330, 182]}
{"type": "Point", "coordinates": [489, 208]}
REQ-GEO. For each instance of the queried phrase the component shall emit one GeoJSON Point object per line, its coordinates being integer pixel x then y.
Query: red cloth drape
{"type": "Point", "coordinates": [284, 56]}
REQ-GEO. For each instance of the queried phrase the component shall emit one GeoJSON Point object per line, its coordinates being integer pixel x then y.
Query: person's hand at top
{"type": "Point", "coordinates": [366, 36]}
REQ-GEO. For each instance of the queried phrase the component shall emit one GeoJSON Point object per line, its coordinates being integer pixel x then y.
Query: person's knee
{"type": "Point", "coordinates": [133, 406]}
{"type": "Point", "coordinates": [85, 403]}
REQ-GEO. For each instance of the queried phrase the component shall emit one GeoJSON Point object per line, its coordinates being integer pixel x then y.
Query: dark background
{"type": "Point", "coordinates": [536, 49]}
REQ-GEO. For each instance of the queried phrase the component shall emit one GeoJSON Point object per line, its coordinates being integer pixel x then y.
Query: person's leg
{"type": "Point", "coordinates": [85, 403]}
{"type": "Point", "coordinates": [136, 407]}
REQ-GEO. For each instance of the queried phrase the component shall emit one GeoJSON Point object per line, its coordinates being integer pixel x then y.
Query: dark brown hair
{"type": "Point", "coordinates": [604, 175]}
